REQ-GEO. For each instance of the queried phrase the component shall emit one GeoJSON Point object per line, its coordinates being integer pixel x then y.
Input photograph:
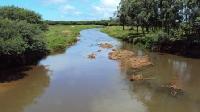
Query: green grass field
{"type": "Point", "coordinates": [118, 32]}
{"type": "Point", "coordinates": [115, 31]}
{"type": "Point", "coordinates": [138, 38]}
{"type": "Point", "coordinates": [59, 37]}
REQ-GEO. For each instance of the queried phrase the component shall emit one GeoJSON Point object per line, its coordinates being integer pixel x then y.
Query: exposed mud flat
{"type": "Point", "coordinates": [129, 59]}
{"type": "Point", "coordinates": [92, 56]}
{"type": "Point", "coordinates": [106, 45]}
{"type": "Point", "coordinates": [174, 87]}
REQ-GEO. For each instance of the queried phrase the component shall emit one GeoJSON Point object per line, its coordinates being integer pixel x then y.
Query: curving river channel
{"type": "Point", "coordinates": [70, 82]}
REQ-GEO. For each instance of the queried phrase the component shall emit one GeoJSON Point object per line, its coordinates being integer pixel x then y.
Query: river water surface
{"type": "Point", "coordinates": [70, 82]}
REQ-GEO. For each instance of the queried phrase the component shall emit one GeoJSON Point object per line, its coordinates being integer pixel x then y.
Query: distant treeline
{"type": "Point", "coordinates": [100, 22]}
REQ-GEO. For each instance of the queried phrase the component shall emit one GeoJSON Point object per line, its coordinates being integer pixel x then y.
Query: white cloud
{"type": "Point", "coordinates": [69, 9]}
{"type": "Point", "coordinates": [83, 9]}
{"type": "Point", "coordinates": [63, 7]}
{"type": "Point", "coordinates": [106, 8]}
{"type": "Point", "coordinates": [110, 3]}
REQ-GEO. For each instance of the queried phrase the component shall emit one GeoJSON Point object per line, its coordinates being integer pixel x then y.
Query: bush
{"type": "Point", "coordinates": [21, 43]}
{"type": "Point", "coordinates": [15, 13]}
{"type": "Point", "coordinates": [149, 40]}
{"type": "Point", "coordinates": [13, 46]}
{"type": "Point", "coordinates": [28, 33]}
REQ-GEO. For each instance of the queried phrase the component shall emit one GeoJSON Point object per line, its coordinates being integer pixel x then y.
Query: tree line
{"type": "Point", "coordinates": [166, 25]}
{"type": "Point", "coordinates": [169, 15]}
{"type": "Point", "coordinates": [99, 22]}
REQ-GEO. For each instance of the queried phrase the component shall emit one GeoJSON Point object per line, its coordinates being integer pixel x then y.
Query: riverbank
{"type": "Point", "coordinates": [59, 37]}
{"type": "Point", "coordinates": [157, 41]}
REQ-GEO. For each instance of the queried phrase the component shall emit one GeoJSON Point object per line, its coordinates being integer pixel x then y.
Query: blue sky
{"type": "Point", "coordinates": [68, 9]}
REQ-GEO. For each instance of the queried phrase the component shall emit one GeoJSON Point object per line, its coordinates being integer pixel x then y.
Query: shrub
{"type": "Point", "coordinates": [13, 46]}
{"type": "Point", "coordinates": [15, 13]}
{"type": "Point", "coordinates": [20, 41]}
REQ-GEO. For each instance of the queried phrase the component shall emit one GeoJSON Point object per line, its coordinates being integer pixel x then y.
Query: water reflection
{"type": "Point", "coordinates": [15, 96]}
{"type": "Point", "coordinates": [169, 68]}
{"type": "Point", "coordinates": [79, 84]}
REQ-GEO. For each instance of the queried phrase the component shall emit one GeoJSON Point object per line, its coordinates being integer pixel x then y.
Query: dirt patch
{"type": "Point", "coordinates": [66, 32]}
{"type": "Point", "coordinates": [106, 45]}
{"type": "Point", "coordinates": [129, 59]}
{"type": "Point", "coordinates": [92, 56]}
{"type": "Point", "coordinates": [120, 54]}
{"type": "Point", "coordinates": [139, 62]}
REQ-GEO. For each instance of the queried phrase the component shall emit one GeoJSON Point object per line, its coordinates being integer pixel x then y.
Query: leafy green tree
{"type": "Point", "coordinates": [21, 37]}
{"type": "Point", "coordinates": [15, 13]}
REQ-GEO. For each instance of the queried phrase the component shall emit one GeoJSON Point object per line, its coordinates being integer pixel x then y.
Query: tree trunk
{"type": "Point", "coordinates": [142, 30]}
{"type": "Point", "coordinates": [147, 28]}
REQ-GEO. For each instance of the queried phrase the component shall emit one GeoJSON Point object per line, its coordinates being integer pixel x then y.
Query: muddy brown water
{"type": "Point", "coordinates": [70, 82]}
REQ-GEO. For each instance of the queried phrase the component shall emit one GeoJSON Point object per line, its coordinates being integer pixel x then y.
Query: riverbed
{"type": "Point", "coordinates": [71, 82]}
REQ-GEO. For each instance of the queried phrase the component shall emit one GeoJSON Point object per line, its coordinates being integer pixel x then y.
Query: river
{"type": "Point", "coordinates": [70, 82]}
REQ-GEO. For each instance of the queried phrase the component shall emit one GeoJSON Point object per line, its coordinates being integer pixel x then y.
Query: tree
{"type": "Point", "coordinates": [21, 39]}
{"type": "Point", "coordinates": [15, 13]}
{"type": "Point", "coordinates": [122, 12]}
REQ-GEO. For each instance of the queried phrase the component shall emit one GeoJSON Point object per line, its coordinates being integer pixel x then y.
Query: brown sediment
{"type": "Point", "coordinates": [139, 62]}
{"type": "Point", "coordinates": [114, 50]}
{"type": "Point", "coordinates": [138, 78]}
{"type": "Point", "coordinates": [129, 59]}
{"type": "Point", "coordinates": [121, 54]}
{"type": "Point", "coordinates": [106, 45]}
{"type": "Point", "coordinates": [174, 87]}
{"type": "Point", "coordinates": [92, 56]}
{"type": "Point", "coordinates": [7, 86]}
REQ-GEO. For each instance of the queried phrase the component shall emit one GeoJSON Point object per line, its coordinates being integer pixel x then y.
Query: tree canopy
{"type": "Point", "coordinates": [21, 37]}
{"type": "Point", "coordinates": [167, 14]}
{"type": "Point", "coordinates": [18, 14]}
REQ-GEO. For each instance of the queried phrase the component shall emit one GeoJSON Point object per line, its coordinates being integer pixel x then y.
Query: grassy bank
{"type": "Point", "coordinates": [117, 31]}
{"type": "Point", "coordinates": [58, 37]}
{"type": "Point", "coordinates": [158, 40]}
{"type": "Point", "coordinates": [131, 35]}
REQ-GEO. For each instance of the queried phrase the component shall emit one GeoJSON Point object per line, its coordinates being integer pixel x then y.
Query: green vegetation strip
{"type": "Point", "coordinates": [58, 37]}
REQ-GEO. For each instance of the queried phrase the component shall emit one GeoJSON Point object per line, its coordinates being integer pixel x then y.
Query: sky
{"type": "Point", "coordinates": [68, 10]}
